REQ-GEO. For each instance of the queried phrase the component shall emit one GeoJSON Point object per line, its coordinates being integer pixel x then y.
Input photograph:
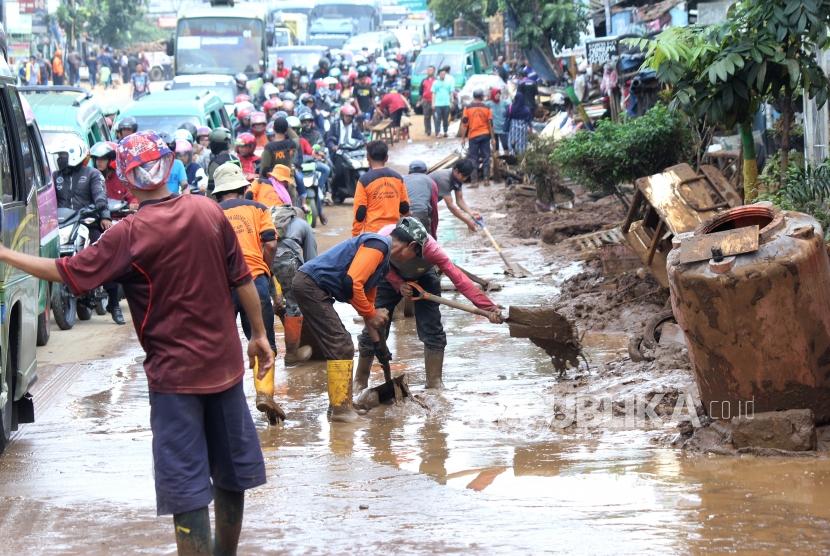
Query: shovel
{"type": "Point", "coordinates": [514, 269]}
{"type": "Point", "coordinates": [544, 326]}
{"type": "Point", "coordinates": [391, 389]}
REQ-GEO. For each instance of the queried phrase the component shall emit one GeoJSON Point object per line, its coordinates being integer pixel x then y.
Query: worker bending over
{"type": "Point", "coordinates": [349, 272]}
{"type": "Point", "coordinates": [380, 197]}
{"type": "Point", "coordinates": [450, 181]}
{"type": "Point", "coordinates": [414, 256]}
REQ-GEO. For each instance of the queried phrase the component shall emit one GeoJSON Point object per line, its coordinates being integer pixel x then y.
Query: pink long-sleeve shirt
{"type": "Point", "coordinates": [433, 254]}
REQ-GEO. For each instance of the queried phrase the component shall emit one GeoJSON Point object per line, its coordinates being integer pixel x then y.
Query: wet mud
{"type": "Point", "coordinates": [510, 458]}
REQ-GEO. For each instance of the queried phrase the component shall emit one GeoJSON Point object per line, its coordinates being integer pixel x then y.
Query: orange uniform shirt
{"type": "Point", "coordinates": [477, 117]}
{"type": "Point", "coordinates": [380, 199]}
{"type": "Point", "coordinates": [251, 221]}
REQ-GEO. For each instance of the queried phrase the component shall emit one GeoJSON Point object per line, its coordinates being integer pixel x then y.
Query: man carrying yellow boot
{"type": "Point", "coordinates": [349, 272]}
{"type": "Point", "coordinates": [258, 239]}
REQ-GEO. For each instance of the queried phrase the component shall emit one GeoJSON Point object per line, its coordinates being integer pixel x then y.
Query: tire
{"type": "Point", "coordinates": [156, 74]}
{"type": "Point", "coordinates": [651, 335]}
{"type": "Point", "coordinates": [83, 310]}
{"type": "Point", "coordinates": [313, 214]}
{"type": "Point", "coordinates": [8, 407]}
{"type": "Point", "coordinates": [101, 304]}
{"type": "Point", "coordinates": [64, 307]}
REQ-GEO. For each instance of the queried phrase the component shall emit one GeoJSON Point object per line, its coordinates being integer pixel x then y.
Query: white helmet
{"type": "Point", "coordinates": [75, 148]}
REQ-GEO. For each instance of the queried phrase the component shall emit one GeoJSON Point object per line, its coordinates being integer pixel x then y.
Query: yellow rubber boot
{"type": "Point", "coordinates": [265, 396]}
{"type": "Point", "coordinates": [339, 374]}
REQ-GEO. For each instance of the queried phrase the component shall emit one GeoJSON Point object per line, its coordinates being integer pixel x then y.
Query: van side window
{"type": "Point", "coordinates": [481, 61]}
{"type": "Point", "coordinates": [105, 130]}
{"type": "Point", "coordinates": [223, 117]}
{"type": "Point", "coordinates": [40, 164]}
{"type": "Point", "coordinates": [27, 158]}
{"type": "Point", "coordinates": [6, 179]}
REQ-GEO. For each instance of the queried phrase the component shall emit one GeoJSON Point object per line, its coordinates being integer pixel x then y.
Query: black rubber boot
{"type": "Point", "coordinates": [228, 507]}
{"type": "Point", "coordinates": [193, 532]}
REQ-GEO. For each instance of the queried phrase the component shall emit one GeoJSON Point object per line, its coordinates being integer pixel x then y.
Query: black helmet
{"type": "Point", "coordinates": [191, 128]}
{"type": "Point", "coordinates": [417, 167]}
{"type": "Point", "coordinates": [324, 63]}
{"type": "Point", "coordinates": [127, 122]}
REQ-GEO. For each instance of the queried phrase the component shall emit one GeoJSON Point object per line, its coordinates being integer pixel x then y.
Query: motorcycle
{"type": "Point", "coordinates": [356, 164]}
{"type": "Point", "coordinates": [73, 230]}
{"type": "Point", "coordinates": [311, 178]}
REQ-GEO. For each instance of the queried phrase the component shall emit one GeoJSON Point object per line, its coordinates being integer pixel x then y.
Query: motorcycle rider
{"type": "Point", "coordinates": [126, 126]}
{"type": "Point", "coordinates": [322, 70]}
{"type": "Point", "coordinates": [220, 152]}
{"type": "Point", "coordinates": [78, 186]}
{"type": "Point", "coordinates": [245, 145]}
{"type": "Point", "coordinates": [103, 157]}
{"type": "Point", "coordinates": [259, 123]}
{"type": "Point", "coordinates": [243, 116]}
{"type": "Point", "coordinates": [241, 83]}
{"type": "Point", "coordinates": [281, 71]}
{"type": "Point", "coordinates": [344, 134]}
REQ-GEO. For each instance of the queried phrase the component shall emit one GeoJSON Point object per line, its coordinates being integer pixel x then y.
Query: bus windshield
{"type": "Point", "coordinates": [203, 44]}
{"type": "Point", "coordinates": [364, 15]}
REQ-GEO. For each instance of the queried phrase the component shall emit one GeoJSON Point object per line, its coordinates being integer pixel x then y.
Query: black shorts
{"type": "Point", "coordinates": [200, 440]}
{"type": "Point", "coordinates": [396, 117]}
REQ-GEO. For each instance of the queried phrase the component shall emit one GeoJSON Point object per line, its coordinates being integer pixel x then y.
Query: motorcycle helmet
{"type": "Point", "coordinates": [202, 131]}
{"type": "Point", "coordinates": [144, 161]}
{"type": "Point", "coordinates": [329, 81]}
{"type": "Point", "coordinates": [279, 81]}
{"type": "Point", "coordinates": [183, 147]}
{"type": "Point", "coordinates": [103, 149]}
{"type": "Point", "coordinates": [168, 140]}
{"type": "Point", "coordinates": [280, 114]}
{"type": "Point", "coordinates": [269, 90]}
{"type": "Point", "coordinates": [182, 135]}
{"type": "Point", "coordinates": [363, 71]}
{"type": "Point", "coordinates": [305, 98]}
{"type": "Point", "coordinates": [220, 135]}
{"type": "Point", "coordinates": [190, 128]}
{"type": "Point", "coordinates": [242, 98]}
{"type": "Point", "coordinates": [241, 80]}
{"type": "Point", "coordinates": [294, 122]}
{"type": "Point", "coordinates": [335, 73]}
{"type": "Point", "coordinates": [304, 80]}
{"type": "Point", "coordinates": [417, 167]}
{"type": "Point", "coordinates": [245, 139]}
{"type": "Point", "coordinates": [72, 151]}
{"type": "Point", "coordinates": [288, 106]}
{"type": "Point", "coordinates": [347, 110]}
{"type": "Point", "coordinates": [272, 104]}
{"type": "Point", "coordinates": [258, 118]}
{"type": "Point", "coordinates": [295, 74]}
{"type": "Point", "coordinates": [244, 113]}
{"type": "Point", "coordinates": [289, 97]}
{"type": "Point", "coordinates": [306, 117]}
{"type": "Point", "coordinates": [127, 123]}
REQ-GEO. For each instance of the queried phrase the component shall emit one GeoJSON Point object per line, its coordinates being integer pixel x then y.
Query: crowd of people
{"type": "Point", "coordinates": [106, 67]}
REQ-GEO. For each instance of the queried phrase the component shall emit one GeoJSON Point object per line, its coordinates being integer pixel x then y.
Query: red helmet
{"type": "Point", "coordinates": [348, 110]}
{"type": "Point", "coordinates": [243, 113]}
{"type": "Point", "coordinates": [242, 98]}
{"type": "Point", "coordinates": [244, 139]}
{"type": "Point", "coordinates": [272, 104]}
{"type": "Point", "coordinates": [258, 118]}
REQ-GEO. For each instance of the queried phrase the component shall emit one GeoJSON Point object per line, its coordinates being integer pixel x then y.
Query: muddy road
{"type": "Point", "coordinates": [491, 467]}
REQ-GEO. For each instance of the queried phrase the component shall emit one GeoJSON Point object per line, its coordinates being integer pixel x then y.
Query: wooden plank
{"type": "Point", "coordinates": [730, 242]}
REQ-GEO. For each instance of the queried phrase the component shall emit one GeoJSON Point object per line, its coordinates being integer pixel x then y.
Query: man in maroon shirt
{"type": "Point", "coordinates": [205, 444]}
{"type": "Point", "coordinates": [426, 99]}
{"type": "Point", "coordinates": [393, 105]}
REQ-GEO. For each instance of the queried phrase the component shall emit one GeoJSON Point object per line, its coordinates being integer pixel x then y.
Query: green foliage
{"type": "Point", "coordinates": [762, 50]}
{"type": "Point", "coordinates": [447, 11]}
{"type": "Point", "coordinates": [807, 190]}
{"type": "Point", "coordinates": [106, 21]}
{"type": "Point", "coordinates": [770, 179]}
{"type": "Point", "coordinates": [540, 23]}
{"type": "Point", "coordinates": [621, 152]}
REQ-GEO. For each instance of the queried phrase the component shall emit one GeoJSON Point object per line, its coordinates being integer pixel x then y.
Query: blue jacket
{"type": "Point", "coordinates": [330, 270]}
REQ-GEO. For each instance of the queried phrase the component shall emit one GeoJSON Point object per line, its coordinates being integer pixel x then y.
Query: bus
{"type": "Point", "coordinates": [365, 14]}
{"type": "Point", "coordinates": [221, 39]}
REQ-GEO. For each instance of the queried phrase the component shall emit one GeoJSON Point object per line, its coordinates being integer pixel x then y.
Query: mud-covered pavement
{"type": "Point", "coordinates": [490, 468]}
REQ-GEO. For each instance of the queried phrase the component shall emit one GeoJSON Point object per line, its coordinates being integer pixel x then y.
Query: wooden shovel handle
{"type": "Point", "coordinates": [423, 295]}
